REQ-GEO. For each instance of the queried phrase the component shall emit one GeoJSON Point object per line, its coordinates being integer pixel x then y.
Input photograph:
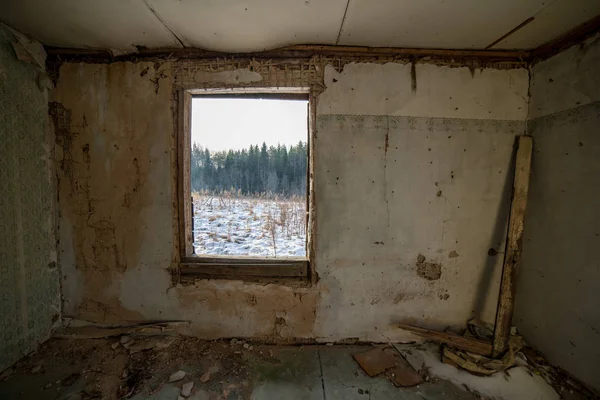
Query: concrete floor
{"type": "Point", "coordinates": [104, 369]}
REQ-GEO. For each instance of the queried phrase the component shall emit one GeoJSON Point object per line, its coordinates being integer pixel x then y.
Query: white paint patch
{"type": "Point", "coordinates": [235, 77]}
{"type": "Point", "coordinates": [386, 89]}
{"type": "Point", "coordinates": [28, 50]}
{"type": "Point", "coordinates": [518, 383]}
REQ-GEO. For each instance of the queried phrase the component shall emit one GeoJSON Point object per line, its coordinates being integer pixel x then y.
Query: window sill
{"type": "Point", "coordinates": [269, 270]}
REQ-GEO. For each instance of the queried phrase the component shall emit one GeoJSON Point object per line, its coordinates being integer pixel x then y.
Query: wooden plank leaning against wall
{"type": "Point", "coordinates": [514, 246]}
{"type": "Point", "coordinates": [512, 259]}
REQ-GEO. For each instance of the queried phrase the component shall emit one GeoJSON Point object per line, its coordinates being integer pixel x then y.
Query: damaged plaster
{"type": "Point", "coordinates": [235, 77]}
{"type": "Point", "coordinates": [376, 184]}
{"type": "Point", "coordinates": [428, 270]}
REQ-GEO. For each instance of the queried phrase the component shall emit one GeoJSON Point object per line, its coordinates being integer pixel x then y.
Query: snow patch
{"type": "Point", "coordinates": [516, 383]}
{"type": "Point", "coordinates": [249, 227]}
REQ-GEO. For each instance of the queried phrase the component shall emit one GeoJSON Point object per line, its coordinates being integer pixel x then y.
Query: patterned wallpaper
{"type": "Point", "coordinates": [29, 287]}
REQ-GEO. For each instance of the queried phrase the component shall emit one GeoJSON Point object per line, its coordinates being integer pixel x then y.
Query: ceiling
{"type": "Point", "coordinates": [255, 25]}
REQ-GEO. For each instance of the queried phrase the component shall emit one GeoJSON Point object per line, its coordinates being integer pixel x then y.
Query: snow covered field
{"type": "Point", "coordinates": [249, 226]}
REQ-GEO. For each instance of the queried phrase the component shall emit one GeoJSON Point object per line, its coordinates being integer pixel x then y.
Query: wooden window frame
{"type": "Point", "coordinates": [276, 270]}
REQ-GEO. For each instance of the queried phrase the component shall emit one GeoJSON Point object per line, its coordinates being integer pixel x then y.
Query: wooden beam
{"type": "Point", "coordinates": [399, 51]}
{"type": "Point", "coordinates": [514, 244]}
{"type": "Point", "coordinates": [544, 51]}
{"type": "Point", "coordinates": [471, 345]}
{"type": "Point", "coordinates": [289, 52]}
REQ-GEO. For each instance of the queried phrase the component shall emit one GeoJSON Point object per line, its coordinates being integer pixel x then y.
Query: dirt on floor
{"type": "Point", "coordinates": [106, 369]}
{"type": "Point", "coordinates": [139, 366]}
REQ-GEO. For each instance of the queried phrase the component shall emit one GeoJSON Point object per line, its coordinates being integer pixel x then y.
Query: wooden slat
{"type": "Point", "coordinates": [251, 95]}
{"type": "Point", "coordinates": [460, 342]}
{"type": "Point", "coordinates": [512, 254]}
{"type": "Point", "coordinates": [201, 260]}
{"type": "Point", "coordinates": [507, 34]}
{"type": "Point", "coordinates": [272, 270]}
{"type": "Point", "coordinates": [311, 210]}
{"type": "Point", "coordinates": [184, 104]}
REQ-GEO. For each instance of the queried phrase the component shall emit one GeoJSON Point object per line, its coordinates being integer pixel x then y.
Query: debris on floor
{"type": "Point", "coordinates": [177, 376]}
{"type": "Point", "coordinates": [464, 342]}
{"type": "Point", "coordinates": [386, 359]}
{"type": "Point", "coordinates": [137, 344]}
{"type": "Point", "coordinates": [375, 361]}
{"type": "Point", "coordinates": [92, 369]}
{"type": "Point", "coordinates": [403, 374]}
{"type": "Point", "coordinates": [517, 382]}
{"type": "Point", "coordinates": [76, 329]}
{"type": "Point", "coordinates": [133, 337]}
{"type": "Point", "coordinates": [563, 383]}
{"type": "Point", "coordinates": [476, 363]}
{"type": "Point", "coordinates": [517, 361]}
{"type": "Point", "coordinates": [205, 377]}
{"type": "Point", "coordinates": [186, 389]}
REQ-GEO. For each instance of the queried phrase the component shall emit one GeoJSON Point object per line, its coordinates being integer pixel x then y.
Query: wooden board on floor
{"type": "Point", "coordinates": [512, 255]}
{"type": "Point", "coordinates": [463, 343]}
{"type": "Point", "coordinates": [403, 374]}
{"type": "Point", "coordinates": [375, 361]}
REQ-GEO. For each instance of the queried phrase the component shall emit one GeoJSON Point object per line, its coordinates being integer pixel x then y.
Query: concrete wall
{"type": "Point", "coordinates": [29, 282]}
{"type": "Point", "coordinates": [559, 284]}
{"type": "Point", "coordinates": [411, 193]}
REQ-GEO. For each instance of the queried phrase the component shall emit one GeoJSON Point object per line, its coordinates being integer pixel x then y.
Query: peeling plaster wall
{"type": "Point", "coordinates": [558, 289]}
{"type": "Point", "coordinates": [29, 281]}
{"type": "Point", "coordinates": [411, 192]}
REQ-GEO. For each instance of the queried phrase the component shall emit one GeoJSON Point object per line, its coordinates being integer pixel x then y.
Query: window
{"type": "Point", "coordinates": [244, 162]}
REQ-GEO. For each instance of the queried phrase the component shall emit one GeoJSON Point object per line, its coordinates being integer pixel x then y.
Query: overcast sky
{"type": "Point", "coordinates": [223, 124]}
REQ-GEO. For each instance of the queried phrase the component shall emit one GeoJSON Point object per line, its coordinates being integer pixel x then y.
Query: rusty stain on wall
{"type": "Point", "coordinates": [61, 117]}
{"type": "Point", "coordinates": [122, 146]}
{"type": "Point", "coordinates": [105, 158]}
{"type": "Point", "coordinates": [413, 76]}
{"type": "Point", "coordinates": [387, 142]}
